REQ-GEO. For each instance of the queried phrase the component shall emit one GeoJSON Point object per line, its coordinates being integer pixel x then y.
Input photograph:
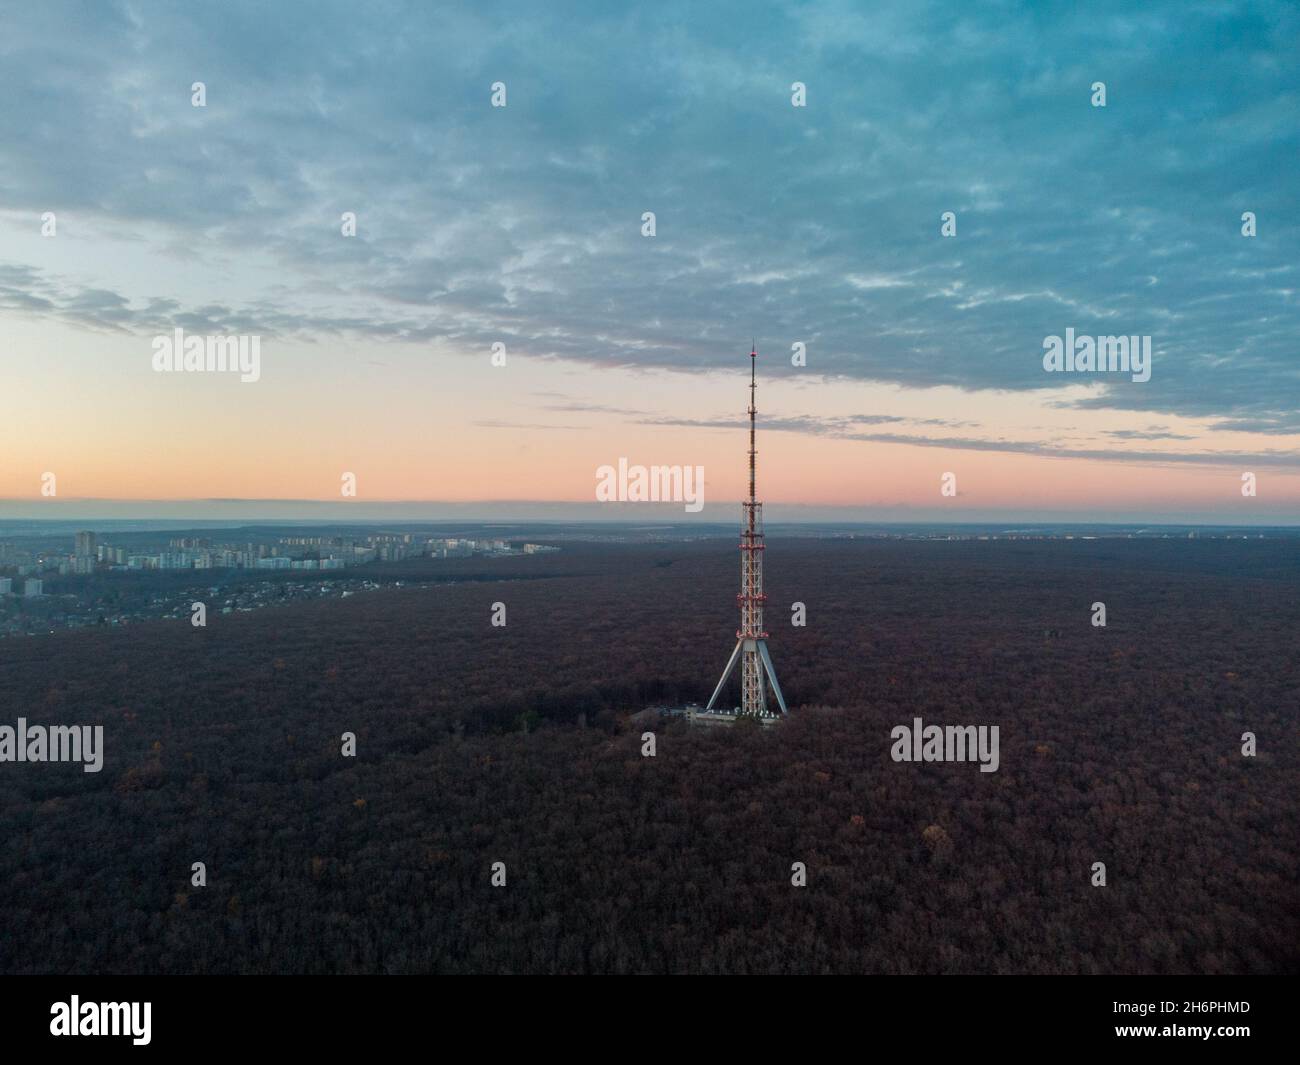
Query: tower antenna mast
{"type": "Point", "coordinates": [751, 641]}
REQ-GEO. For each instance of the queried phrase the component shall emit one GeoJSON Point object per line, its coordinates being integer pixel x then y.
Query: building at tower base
{"type": "Point", "coordinates": [696, 715]}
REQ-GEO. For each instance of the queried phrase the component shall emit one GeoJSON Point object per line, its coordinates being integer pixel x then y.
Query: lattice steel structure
{"type": "Point", "coordinates": [751, 641]}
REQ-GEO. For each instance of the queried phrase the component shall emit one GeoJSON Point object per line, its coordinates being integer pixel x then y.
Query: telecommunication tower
{"type": "Point", "coordinates": [751, 641]}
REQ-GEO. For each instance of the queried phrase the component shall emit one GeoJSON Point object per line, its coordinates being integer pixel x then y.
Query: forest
{"type": "Point", "coordinates": [522, 744]}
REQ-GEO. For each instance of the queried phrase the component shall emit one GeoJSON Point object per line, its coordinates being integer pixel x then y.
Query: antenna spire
{"type": "Point", "coordinates": [753, 415]}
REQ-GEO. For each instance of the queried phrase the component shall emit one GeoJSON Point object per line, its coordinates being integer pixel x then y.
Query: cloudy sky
{"type": "Point", "coordinates": [523, 225]}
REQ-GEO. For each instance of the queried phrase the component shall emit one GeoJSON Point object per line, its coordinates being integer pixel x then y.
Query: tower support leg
{"type": "Point", "coordinates": [731, 664]}
{"type": "Point", "coordinates": [771, 675]}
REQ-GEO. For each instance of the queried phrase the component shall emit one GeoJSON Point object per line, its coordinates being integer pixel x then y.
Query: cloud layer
{"type": "Point", "coordinates": [820, 224]}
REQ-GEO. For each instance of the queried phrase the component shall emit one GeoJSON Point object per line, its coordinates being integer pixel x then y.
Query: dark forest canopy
{"type": "Point", "coordinates": [478, 744]}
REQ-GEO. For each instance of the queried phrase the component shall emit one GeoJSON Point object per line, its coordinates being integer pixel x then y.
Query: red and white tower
{"type": "Point", "coordinates": [751, 641]}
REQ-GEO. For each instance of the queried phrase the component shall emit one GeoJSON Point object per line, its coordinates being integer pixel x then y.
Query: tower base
{"type": "Point", "coordinates": [758, 663]}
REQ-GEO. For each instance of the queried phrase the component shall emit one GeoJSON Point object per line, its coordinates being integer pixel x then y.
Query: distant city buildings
{"type": "Point", "coordinates": [249, 575]}
{"type": "Point", "coordinates": [84, 602]}
{"type": "Point", "coordinates": [287, 553]}
{"type": "Point", "coordinates": [90, 554]}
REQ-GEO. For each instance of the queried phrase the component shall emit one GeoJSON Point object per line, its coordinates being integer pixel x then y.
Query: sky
{"type": "Point", "coordinates": [523, 225]}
